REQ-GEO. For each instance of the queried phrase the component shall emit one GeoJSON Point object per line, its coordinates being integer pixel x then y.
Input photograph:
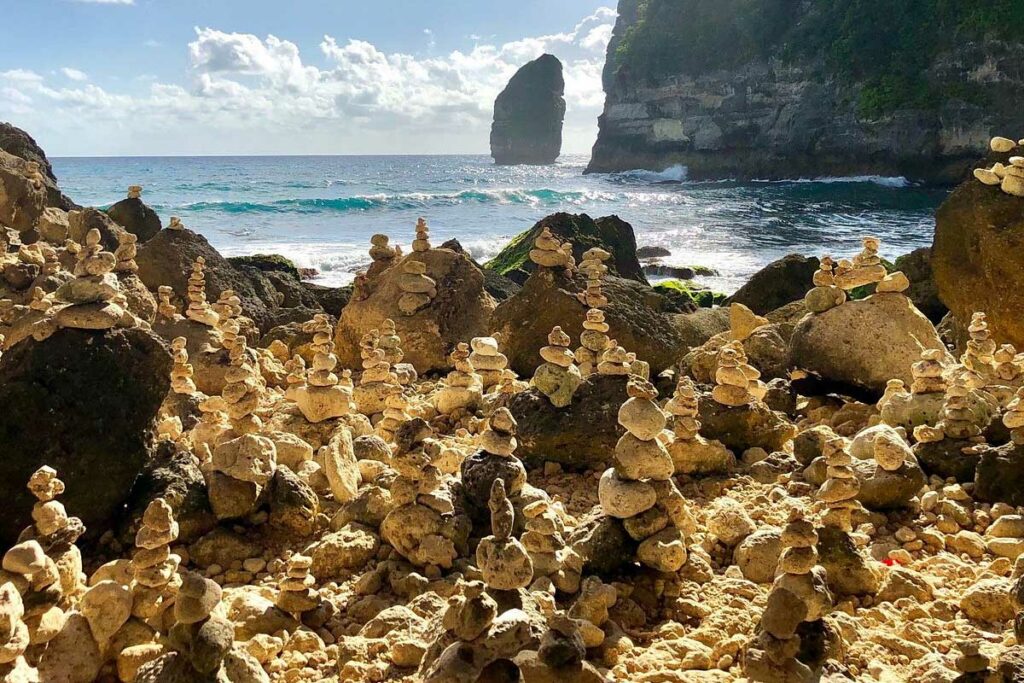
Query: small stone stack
{"type": "Point", "coordinates": [590, 610]}
{"type": "Point", "coordinates": [51, 262]}
{"type": "Point", "coordinates": [296, 377]}
{"type": "Point", "coordinates": [737, 383]}
{"type": "Point", "coordinates": [374, 383]}
{"type": "Point", "coordinates": [182, 371]}
{"type": "Point", "coordinates": [212, 428]}
{"type": "Point", "coordinates": [980, 352]}
{"type": "Point", "coordinates": [165, 309]}
{"type": "Point", "coordinates": [1009, 367]}
{"type": "Point", "coordinates": [395, 406]}
{"type": "Point", "coordinates": [839, 492]}
{"type": "Point", "coordinates": [95, 293]}
{"type": "Point", "coordinates": [825, 294]}
{"type": "Point", "coordinates": [638, 489]}
{"type": "Point", "coordinates": [175, 224]}
{"type": "Point", "coordinates": [383, 254]}
{"type": "Point", "coordinates": [890, 451]}
{"type": "Point", "coordinates": [865, 269]}
{"type": "Point", "coordinates": [497, 444]}
{"type": "Point", "coordinates": [40, 301]}
{"type": "Point", "coordinates": [594, 269]}
{"type": "Point", "coordinates": [462, 388]}
{"type": "Point", "coordinates": [616, 361]}
{"type": "Point", "coordinates": [198, 309]}
{"type": "Point", "coordinates": [154, 566]}
{"type": "Point", "coordinates": [923, 404]}
{"type": "Point", "coordinates": [126, 252]}
{"type": "Point", "coordinates": [1013, 418]}
{"type": "Point", "coordinates": [134, 191]}
{"type": "Point", "coordinates": [57, 533]}
{"type": "Point", "coordinates": [928, 373]}
{"type": "Point", "coordinates": [544, 542]}
{"type": "Point", "coordinates": [297, 594]}
{"type": "Point", "coordinates": [422, 241]}
{"type": "Point", "coordinates": [557, 377]}
{"type": "Point", "coordinates": [502, 559]}
{"type": "Point", "coordinates": [418, 290]}
{"type": "Point", "coordinates": [322, 397]}
{"type": "Point", "coordinates": [547, 251]}
{"type": "Point", "coordinates": [243, 388]}
{"type": "Point", "coordinates": [690, 452]}
{"type": "Point", "coordinates": [1010, 179]}
{"type": "Point", "coordinates": [959, 421]}
{"type": "Point", "coordinates": [593, 342]}
{"type": "Point", "coordinates": [228, 305]}
{"type": "Point", "coordinates": [238, 475]}
{"type": "Point", "coordinates": [488, 362]}
{"type": "Point", "coordinates": [972, 665]}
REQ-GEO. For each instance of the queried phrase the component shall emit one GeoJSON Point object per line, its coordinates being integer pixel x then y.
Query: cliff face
{"type": "Point", "coordinates": [528, 115]}
{"type": "Point", "coordinates": [745, 89]}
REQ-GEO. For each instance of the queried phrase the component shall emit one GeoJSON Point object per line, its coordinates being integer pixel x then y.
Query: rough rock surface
{"type": "Point", "coordinates": [777, 284]}
{"type": "Point", "coordinates": [460, 311]}
{"type": "Point", "coordinates": [999, 476]}
{"type": "Point", "coordinates": [15, 141]}
{"type": "Point", "coordinates": [133, 215]}
{"type": "Point", "coordinates": [76, 422]}
{"type": "Point", "coordinates": [610, 233]}
{"type": "Point", "coordinates": [22, 200]}
{"type": "Point", "coordinates": [528, 114]}
{"type": "Point", "coordinates": [496, 284]}
{"type": "Point", "coordinates": [548, 298]}
{"type": "Point", "coordinates": [917, 266]}
{"type": "Point", "coordinates": [745, 427]}
{"type": "Point", "coordinates": [864, 343]}
{"type": "Point", "coordinates": [977, 256]}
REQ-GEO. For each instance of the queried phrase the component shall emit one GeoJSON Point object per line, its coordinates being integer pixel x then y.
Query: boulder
{"type": "Point", "coordinates": [496, 284]}
{"type": "Point", "coordinates": [84, 403]}
{"type": "Point", "coordinates": [293, 504]}
{"type": "Point", "coordinates": [81, 221]}
{"type": "Point", "coordinates": [884, 490]}
{"type": "Point", "coordinates": [528, 114]}
{"type": "Point", "coordinates": [864, 343]}
{"type": "Point", "coordinates": [634, 315]}
{"type": "Point", "coordinates": [460, 311]}
{"type": "Point", "coordinates": [22, 196]}
{"type": "Point", "coordinates": [698, 327]}
{"type": "Point", "coordinates": [977, 256]}
{"type": "Point", "coordinates": [133, 215]}
{"type": "Point", "coordinates": [777, 284]}
{"type": "Point", "coordinates": [331, 299]}
{"type": "Point", "coordinates": [581, 435]}
{"type": "Point", "coordinates": [603, 544]}
{"type": "Point", "coordinates": [757, 555]}
{"type": "Point", "coordinates": [17, 142]}
{"type": "Point", "coordinates": [849, 572]}
{"type": "Point", "coordinates": [999, 476]}
{"type": "Point", "coordinates": [917, 266]}
{"type": "Point", "coordinates": [739, 428]}
{"type": "Point", "coordinates": [947, 458]}
{"type": "Point", "coordinates": [610, 233]}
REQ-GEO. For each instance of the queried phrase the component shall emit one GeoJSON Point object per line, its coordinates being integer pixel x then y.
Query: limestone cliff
{"type": "Point", "coordinates": [744, 89]}
{"type": "Point", "coordinates": [528, 115]}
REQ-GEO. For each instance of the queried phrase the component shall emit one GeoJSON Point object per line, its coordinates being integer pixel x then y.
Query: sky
{"type": "Point", "coordinates": [190, 77]}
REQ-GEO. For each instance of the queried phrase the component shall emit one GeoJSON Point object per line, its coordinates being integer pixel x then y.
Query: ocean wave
{"type": "Point", "coordinates": [401, 201]}
{"type": "Point", "coordinates": [884, 181]}
{"type": "Point", "coordinates": [672, 174]}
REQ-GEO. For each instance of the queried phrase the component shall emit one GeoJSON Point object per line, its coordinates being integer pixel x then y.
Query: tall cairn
{"type": "Point", "coordinates": [557, 377]}
{"type": "Point", "coordinates": [198, 308]}
{"type": "Point", "coordinates": [594, 342]}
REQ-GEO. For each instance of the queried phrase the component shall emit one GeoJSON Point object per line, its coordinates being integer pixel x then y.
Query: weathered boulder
{"type": "Point", "coordinates": [66, 405]}
{"type": "Point", "coordinates": [884, 490]}
{"type": "Point", "coordinates": [22, 194]}
{"type": "Point", "coordinates": [999, 476]}
{"type": "Point", "coordinates": [548, 298]}
{"type": "Point", "coordinates": [947, 458]}
{"type": "Point", "coordinates": [133, 215]}
{"type": "Point", "coordinates": [496, 284]}
{"type": "Point", "coordinates": [777, 284]}
{"type": "Point", "coordinates": [917, 266]}
{"type": "Point", "coordinates": [528, 114]}
{"type": "Point", "coordinates": [978, 256]}
{"type": "Point", "coordinates": [583, 434]}
{"type": "Point", "coordinates": [602, 543]}
{"type": "Point", "coordinates": [849, 572]}
{"type": "Point", "coordinates": [739, 428]}
{"type": "Point", "coordinates": [698, 327]}
{"type": "Point", "coordinates": [14, 140]}
{"type": "Point", "coordinates": [864, 343]}
{"type": "Point", "coordinates": [460, 311]}
{"type": "Point", "coordinates": [610, 233]}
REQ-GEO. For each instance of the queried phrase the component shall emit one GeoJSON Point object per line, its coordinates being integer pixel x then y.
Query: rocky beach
{"type": "Point", "coordinates": [538, 468]}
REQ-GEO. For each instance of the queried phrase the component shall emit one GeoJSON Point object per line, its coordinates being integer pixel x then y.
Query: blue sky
{"type": "Point", "coordinates": [308, 76]}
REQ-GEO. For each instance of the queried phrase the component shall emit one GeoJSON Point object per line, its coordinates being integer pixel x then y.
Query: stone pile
{"type": "Point", "coordinates": [126, 252]}
{"type": "Point", "coordinates": [495, 459]}
{"type": "Point", "coordinates": [394, 416]}
{"type": "Point", "coordinates": [979, 356]}
{"type": "Point", "coordinates": [166, 310]}
{"type": "Point", "coordinates": [154, 566]}
{"type": "Point", "coordinates": [422, 241]}
{"type": "Point", "coordinates": [94, 295]}
{"type": "Point", "coordinates": [238, 475]}
{"type": "Point", "coordinates": [1013, 418]}
{"type": "Point", "coordinates": [383, 254]}
{"type": "Point", "coordinates": [243, 385]}
{"type": "Point", "coordinates": [1008, 367]}
{"type": "Point", "coordinates": [321, 396]}
{"type": "Point", "coordinates": [228, 305]}
{"type": "Point", "coordinates": [14, 636]}
{"type": "Point", "coordinates": [198, 308]}
{"type": "Point", "coordinates": [691, 453]}
{"type": "Point", "coordinates": [547, 251]}
{"type": "Point", "coordinates": [639, 490]}
{"type": "Point", "coordinates": [1009, 178]}
{"type": "Point", "coordinates": [487, 361]}
{"type": "Point", "coordinates": [737, 383]}
{"type": "Point", "coordinates": [616, 361]}
{"type": "Point", "coordinates": [502, 559]}
{"type": "Point", "coordinates": [391, 344]}
{"type": "Point", "coordinates": [593, 342]}
{"type": "Point", "coordinates": [865, 269]}
{"type": "Point", "coordinates": [297, 593]}
{"type": "Point", "coordinates": [377, 377]}
{"type": "Point", "coordinates": [182, 372]}
{"type": "Point", "coordinates": [557, 377]}
{"type": "Point", "coordinates": [175, 224]}
{"type": "Point", "coordinates": [463, 388]}
{"type": "Point", "coordinates": [594, 269]}
{"type": "Point", "coordinates": [959, 419]}
{"type": "Point", "coordinates": [839, 492]}
{"type": "Point", "coordinates": [544, 541]}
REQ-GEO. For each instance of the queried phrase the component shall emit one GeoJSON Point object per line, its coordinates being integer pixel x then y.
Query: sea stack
{"type": "Point", "coordinates": [528, 115]}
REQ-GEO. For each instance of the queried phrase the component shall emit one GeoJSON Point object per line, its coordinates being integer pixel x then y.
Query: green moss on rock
{"type": "Point", "coordinates": [684, 295]}
{"type": "Point", "coordinates": [266, 263]}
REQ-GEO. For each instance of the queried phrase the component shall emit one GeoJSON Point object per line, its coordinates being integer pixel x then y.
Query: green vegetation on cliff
{"type": "Point", "coordinates": [884, 46]}
{"type": "Point", "coordinates": [680, 293]}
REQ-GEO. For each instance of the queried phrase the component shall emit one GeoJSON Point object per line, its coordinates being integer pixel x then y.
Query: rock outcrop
{"type": "Point", "coordinates": [132, 214]}
{"type": "Point", "coordinates": [15, 141]}
{"type": "Point", "coordinates": [528, 115]}
{"type": "Point", "coordinates": [777, 284]}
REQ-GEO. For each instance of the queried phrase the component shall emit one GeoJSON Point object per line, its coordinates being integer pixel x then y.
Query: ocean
{"type": "Point", "coordinates": [320, 211]}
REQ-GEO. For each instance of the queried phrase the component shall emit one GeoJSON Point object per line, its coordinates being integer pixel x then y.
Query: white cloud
{"type": "Point", "coordinates": [74, 74]}
{"type": "Point", "coordinates": [246, 94]}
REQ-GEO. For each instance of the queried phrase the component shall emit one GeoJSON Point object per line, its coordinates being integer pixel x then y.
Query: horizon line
{"type": "Point", "coordinates": [297, 156]}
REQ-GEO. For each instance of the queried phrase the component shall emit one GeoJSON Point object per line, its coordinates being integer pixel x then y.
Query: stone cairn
{"type": "Point", "coordinates": [959, 420]}
{"type": "Point", "coordinates": [165, 309]}
{"type": "Point", "coordinates": [243, 388]}
{"type": "Point", "coordinates": [297, 594]}
{"type": "Point", "coordinates": [126, 252]}
{"type": "Point", "coordinates": [14, 635]}
{"type": "Point", "coordinates": [1009, 178]}
{"type": "Point", "coordinates": [395, 406]}
{"type": "Point", "coordinates": [488, 362]}
{"type": "Point", "coordinates": [594, 269]}
{"type": "Point", "coordinates": [497, 444]}
{"type": "Point", "coordinates": [557, 377]}
{"type": "Point", "coordinates": [590, 610]}
{"type": "Point", "coordinates": [594, 342]}
{"type": "Point", "coordinates": [134, 191]}
{"type": "Point", "coordinates": [616, 361]}
{"type": "Point", "coordinates": [391, 344]}
{"type": "Point", "coordinates": [1008, 366]}
{"type": "Point", "coordinates": [175, 224]}
{"type": "Point", "coordinates": [1013, 418]}
{"type": "Point", "coordinates": [922, 405]}
{"type": "Point", "coordinates": [543, 539]}
{"type": "Point", "coordinates": [638, 489]}
{"type": "Point", "coordinates": [377, 376]}
{"type": "Point", "coordinates": [737, 383]}
{"type": "Point", "coordinates": [228, 305]}
{"type": "Point", "coordinates": [40, 301]}
{"type": "Point", "coordinates": [825, 294]}
{"type": "Point", "coordinates": [418, 290]}
{"type": "Point", "coordinates": [154, 566]}
{"type": "Point", "coordinates": [95, 293]}
{"type": "Point", "coordinates": [865, 269]}
{"type": "Point", "coordinates": [979, 356]}
{"type": "Point", "coordinates": [296, 377]}
{"type": "Point", "coordinates": [383, 254]}
{"type": "Point", "coordinates": [502, 559]}
{"type": "Point", "coordinates": [422, 241]}
{"type": "Point", "coordinates": [321, 396]}
{"type": "Point", "coordinates": [928, 373]}
{"type": "Point", "coordinates": [840, 489]}
{"type": "Point", "coordinates": [690, 452]}
{"type": "Point", "coordinates": [182, 371]}
{"type": "Point", "coordinates": [198, 308]}
{"type": "Point", "coordinates": [547, 251]}
{"type": "Point", "coordinates": [462, 388]}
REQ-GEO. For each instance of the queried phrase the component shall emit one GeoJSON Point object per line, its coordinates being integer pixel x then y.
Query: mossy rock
{"type": "Point", "coordinates": [267, 263]}
{"type": "Point", "coordinates": [683, 297]}
{"type": "Point", "coordinates": [611, 233]}
{"type": "Point", "coordinates": [865, 291]}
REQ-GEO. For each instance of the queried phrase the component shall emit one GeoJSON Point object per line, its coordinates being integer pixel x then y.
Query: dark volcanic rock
{"type": "Point", "coordinates": [603, 544]}
{"type": "Point", "coordinates": [649, 252]}
{"type": "Point", "coordinates": [917, 266]}
{"type": "Point", "coordinates": [999, 476]}
{"type": "Point", "coordinates": [134, 216]}
{"type": "Point", "coordinates": [15, 141]}
{"type": "Point", "coordinates": [331, 299]}
{"type": "Point", "coordinates": [495, 284]}
{"type": "Point", "coordinates": [634, 313]}
{"type": "Point", "coordinates": [611, 233]}
{"type": "Point", "coordinates": [777, 284]}
{"type": "Point", "coordinates": [848, 571]}
{"type": "Point", "coordinates": [83, 403]}
{"type": "Point", "coordinates": [978, 256]}
{"type": "Point", "coordinates": [743, 427]}
{"type": "Point", "coordinates": [946, 458]}
{"type": "Point", "coordinates": [82, 221]}
{"type": "Point", "coordinates": [581, 435]}
{"type": "Point", "coordinates": [293, 504]}
{"type": "Point", "coordinates": [884, 490]}
{"type": "Point", "coordinates": [528, 115]}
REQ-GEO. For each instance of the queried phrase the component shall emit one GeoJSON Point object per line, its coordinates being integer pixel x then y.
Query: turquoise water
{"type": "Point", "coordinates": [321, 211]}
